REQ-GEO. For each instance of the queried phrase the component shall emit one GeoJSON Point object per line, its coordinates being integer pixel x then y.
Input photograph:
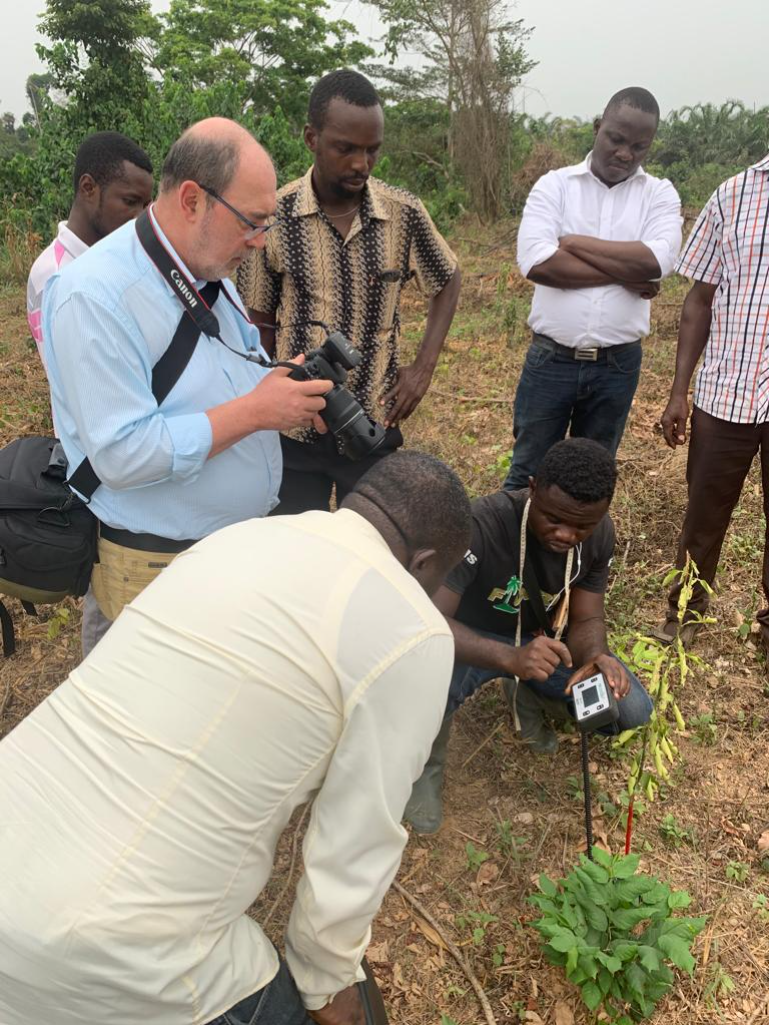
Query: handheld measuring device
{"type": "Point", "coordinates": [594, 703]}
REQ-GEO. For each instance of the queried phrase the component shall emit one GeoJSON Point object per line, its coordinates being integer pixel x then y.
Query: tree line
{"type": "Point", "coordinates": [455, 134]}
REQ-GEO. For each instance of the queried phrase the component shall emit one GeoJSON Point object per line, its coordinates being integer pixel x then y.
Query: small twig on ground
{"type": "Point", "coordinates": [483, 743]}
{"type": "Point", "coordinates": [452, 948]}
{"type": "Point", "coordinates": [294, 849]}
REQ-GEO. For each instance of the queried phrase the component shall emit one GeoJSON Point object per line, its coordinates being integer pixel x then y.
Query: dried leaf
{"type": "Point", "coordinates": [379, 953]}
{"type": "Point", "coordinates": [533, 1017]}
{"type": "Point", "coordinates": [763, 841]}
{"type": "Point", "coordinates": [563, 1014]}
{"type": "Point", "coordinates": [487, 873]}
{"type": "Point", "coordinates": [525, 818]}
{"type": "Point", "coordinates": [429, 933]}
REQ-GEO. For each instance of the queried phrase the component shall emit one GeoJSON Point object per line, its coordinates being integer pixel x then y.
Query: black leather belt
{"type": "Point", "coordinates": [143, 542]}
{"type": "Point", "coordinates": [590, 353]}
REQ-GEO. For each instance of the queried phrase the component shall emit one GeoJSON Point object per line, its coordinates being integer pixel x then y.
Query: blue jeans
{"type": "Point", "coordinates": [277, 1003]}
{"type": "Point", "coordinates": [634, 709]}
{"type": "Point", "coordinates": [556, 391]}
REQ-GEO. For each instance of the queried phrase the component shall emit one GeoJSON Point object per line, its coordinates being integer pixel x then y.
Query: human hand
{"type": "Point", "coordinates": [674, 420]}
{"type": "Point", "coordinates": [613, 671]}
{"type": "Point", "coordinates": [345, 1009]}
{"type": "Point", "coordinates": [284, 403]}
{"type": "Point", "coordinates": [407, 392]}
{"type": "Point", "coordinates": [539, 659]}
{"type": "Point", "coordinates": [646, 289]}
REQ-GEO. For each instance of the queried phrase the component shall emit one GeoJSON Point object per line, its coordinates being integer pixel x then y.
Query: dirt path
{"type": "Point", "coordinates": [526, 812]}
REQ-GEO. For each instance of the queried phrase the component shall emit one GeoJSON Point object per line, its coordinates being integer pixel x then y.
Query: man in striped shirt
{"type": "Point", "coordinates": [725, 315]}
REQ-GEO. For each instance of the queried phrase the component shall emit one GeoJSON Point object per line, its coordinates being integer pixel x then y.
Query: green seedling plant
{"type": "Point", "coordinates": [477, 922]}
{"type": "Point", "coordinates": [737, 871]}
{"type": "Point", "coordinates": [475, 858]}
{"type": "Point", "coordinates": [761, 907]}
{"type": "Point", "coordinates": [665, 668]}
{"type": "Point", "coordinates": [510, 846]}
{"type": "Point", "coordinates": [616, 932]}
{"type": "Point", "coordinates": [674, 833]}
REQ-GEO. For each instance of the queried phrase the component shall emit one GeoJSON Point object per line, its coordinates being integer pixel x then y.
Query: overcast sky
{"type": "Point", "coordinates": [685, 51]}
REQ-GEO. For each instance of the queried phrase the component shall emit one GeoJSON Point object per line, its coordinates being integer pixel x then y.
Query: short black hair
{"type": "Point", "coordinates": [193, 157]}
{"type": "Point", "coordinates": [636, 97]}
{"type": "Point", "coordinates": [423, 497]}
{"type": "Point", "coordinates": [103, 154]}
{"type": "Point", "coordinates": [350, 86]}
{"type": "Point", "coordinates": [581, 468]}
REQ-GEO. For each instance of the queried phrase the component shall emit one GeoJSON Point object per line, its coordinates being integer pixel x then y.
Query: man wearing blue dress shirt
{"type": "Point", "coordinates": [208, 455]}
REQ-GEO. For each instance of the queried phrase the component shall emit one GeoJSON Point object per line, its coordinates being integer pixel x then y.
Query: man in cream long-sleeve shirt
{"type": "Point", "coordinates": [140, 804]}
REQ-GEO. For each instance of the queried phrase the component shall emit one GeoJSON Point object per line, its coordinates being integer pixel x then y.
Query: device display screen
{"type": "Point", "coordinates": [590, 695]}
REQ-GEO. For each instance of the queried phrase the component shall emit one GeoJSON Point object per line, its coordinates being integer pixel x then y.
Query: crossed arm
{"type": "Point", "coordinates": [585, 262]}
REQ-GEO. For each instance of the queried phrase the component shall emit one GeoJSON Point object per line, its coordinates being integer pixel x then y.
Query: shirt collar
{"type": "Point", "coordinates": [586, 168]}
{"type": "Point", "coordinates": [371, 206]}
{"type": "Point", "coordinates": [197, 282]}
{"type": "Point", "coordinates": [74, 245]}
{"type": "Point", "coordinates": [761, 165]}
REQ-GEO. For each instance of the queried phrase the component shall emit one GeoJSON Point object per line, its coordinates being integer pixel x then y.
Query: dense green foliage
{"type": "Point", "coordinates": [453, 133]}
{"type": "Point", "coordinates": [612, 929]}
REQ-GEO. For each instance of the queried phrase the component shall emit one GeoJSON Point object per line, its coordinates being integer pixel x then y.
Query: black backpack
{"type": "Point", "coordinates": [47, 534]}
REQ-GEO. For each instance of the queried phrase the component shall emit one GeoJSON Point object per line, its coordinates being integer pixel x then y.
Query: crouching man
{"type": "Point", "coordinates": [537, 565]}
{"type": "Point", "coordinates": [140, 805]}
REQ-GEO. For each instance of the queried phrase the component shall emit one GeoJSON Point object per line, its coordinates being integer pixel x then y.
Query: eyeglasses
{"type": "Point", "coordinates": [254, 229]}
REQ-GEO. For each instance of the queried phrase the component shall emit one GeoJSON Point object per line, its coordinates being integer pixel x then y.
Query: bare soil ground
{"type": "Point", "coordinates": [495, 788]}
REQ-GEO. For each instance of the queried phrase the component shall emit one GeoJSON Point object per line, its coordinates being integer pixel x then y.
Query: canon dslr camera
{"type": "Point", "coordinates": [357, 434]}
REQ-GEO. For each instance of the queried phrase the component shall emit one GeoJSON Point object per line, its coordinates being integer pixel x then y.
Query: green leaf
{"type": "Point", "coordinates": [596, 872]}
{"type": "Point", "coordinates": [624, 950]}
{"type": "Point", "coordinates": [608, 961]}
{"type": "Point", "coordinates": [677, 951]}
{"type": "Point", "coordinates": [627, 918]}
{"type": "Point", "coordinates": [679, 899]}
{"type": "Point", "coordinates": [630, 889]}
{"type": "Point", "coordinates": [589, 965]}
{"type": "Point", "coordinates": [547, 886]}
{"type": "Point", "coordinates": [564, 941]}
{"type": "Point", "coordinates": [636, 979]}
{"type": "Point", "coordinates": [571, 961]}
{"type": "Point", "coordinates": [605, 980]}
{"type": "Point", "coordinates": [627, 866]}
{"type": "Point", "coordinates": [649, 958]}
{"type": "Point", "coordinates": [591, 994]}
{"type": "Point", "coordinates": [596, 918]}
{"type": "Point", "coordinates": [602, 857]}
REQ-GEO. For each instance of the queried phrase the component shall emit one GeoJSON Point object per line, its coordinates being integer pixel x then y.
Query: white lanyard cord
{"type": "Point", "coordinates": [563, 614]}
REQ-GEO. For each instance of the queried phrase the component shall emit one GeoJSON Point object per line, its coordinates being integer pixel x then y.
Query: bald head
{"type": "Point", "coordinates": [211, 152]}
{"type": "Point", "coordinates": [217, 189]}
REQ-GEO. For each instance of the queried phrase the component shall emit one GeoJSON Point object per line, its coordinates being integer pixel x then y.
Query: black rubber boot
{"type": "Point", "coordinates": [530, 710]}
{"type": "Point", "coordinates": [424, 811]}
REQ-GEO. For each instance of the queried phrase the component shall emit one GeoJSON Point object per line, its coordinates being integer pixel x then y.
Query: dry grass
{"type": "Point", "coordinates": [718, 795]}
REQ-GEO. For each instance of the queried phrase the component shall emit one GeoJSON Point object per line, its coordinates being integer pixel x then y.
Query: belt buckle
{"type": "Point", "coordinates": [590, 354]}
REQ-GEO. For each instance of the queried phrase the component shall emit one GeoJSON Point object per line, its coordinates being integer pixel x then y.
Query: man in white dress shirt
{"type": "Point", "coordinates": [596, 239]}
{"type": "Point", "coordinates": [275, 661]}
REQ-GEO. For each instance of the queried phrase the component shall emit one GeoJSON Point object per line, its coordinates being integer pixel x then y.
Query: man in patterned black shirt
{"type": "Point", "coordinates": [344, 247]}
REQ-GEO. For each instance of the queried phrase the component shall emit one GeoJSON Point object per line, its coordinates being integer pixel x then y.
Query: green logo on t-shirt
{"type": "Point", "coordinates": [512, 591]}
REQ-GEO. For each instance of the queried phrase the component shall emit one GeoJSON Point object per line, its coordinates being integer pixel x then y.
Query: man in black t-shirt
{"type": "Point", "coordinates": [568, 541]}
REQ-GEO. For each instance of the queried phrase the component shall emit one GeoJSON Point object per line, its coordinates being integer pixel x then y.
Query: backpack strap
{"type": "Point", "coordinates": [6, 629]}
{"type": "Point", "coordinates": [166, 372]}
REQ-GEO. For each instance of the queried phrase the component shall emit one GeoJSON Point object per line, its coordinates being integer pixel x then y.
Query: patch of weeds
{"type": "Point", "coordinates": [58, 620]}
{"type": "Point", "coordinates": [675, 834]}
{"type": "Point", "coordinates": [705, 729]}
{"type": "Point", "coordinates": [761, 907]}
